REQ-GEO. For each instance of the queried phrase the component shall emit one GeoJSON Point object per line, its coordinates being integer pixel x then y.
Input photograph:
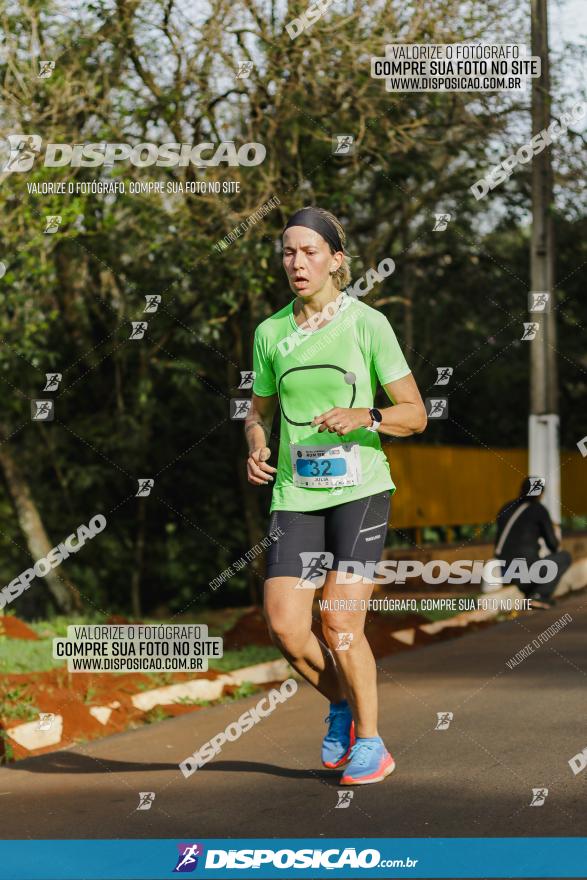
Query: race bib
{"type": "Point", "coordinates": [325, 467]}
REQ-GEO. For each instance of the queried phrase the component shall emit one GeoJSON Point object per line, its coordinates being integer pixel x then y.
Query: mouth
{"type": "Point", "coordinates": [300, 280]}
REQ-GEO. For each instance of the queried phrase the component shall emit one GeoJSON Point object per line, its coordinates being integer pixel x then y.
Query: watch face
{"type": "Point", "coordinates": [376, 415]}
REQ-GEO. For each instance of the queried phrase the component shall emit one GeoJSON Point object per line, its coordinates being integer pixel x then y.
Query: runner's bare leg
{"type": "Point", "coordinates": [288, 612]}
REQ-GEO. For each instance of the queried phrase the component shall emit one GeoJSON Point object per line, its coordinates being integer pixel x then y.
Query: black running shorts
{"type": "Point", "coordinates": [351, 532]}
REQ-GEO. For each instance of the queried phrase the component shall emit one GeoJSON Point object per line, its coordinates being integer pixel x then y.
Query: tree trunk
{"type": "Point", "coordinates": [135, 582]}
{"type": "Point", "coordinates": [63, 591]}
{"type": "Point", "coordinates": [249, 496]}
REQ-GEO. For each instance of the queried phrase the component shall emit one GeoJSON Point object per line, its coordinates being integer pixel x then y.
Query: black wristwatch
{"type": "Point", "coordinates": [376, 419]}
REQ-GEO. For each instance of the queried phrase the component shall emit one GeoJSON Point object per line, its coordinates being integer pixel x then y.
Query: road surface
{"type": "Point", "coordinates": [512, 730]}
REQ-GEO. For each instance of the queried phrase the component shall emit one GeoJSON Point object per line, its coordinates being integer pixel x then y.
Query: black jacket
{"type": "Point", "coordinates": [532, 523]}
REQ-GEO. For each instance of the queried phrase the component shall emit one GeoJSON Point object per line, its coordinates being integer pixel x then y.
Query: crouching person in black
{"type": "Point", "coordinates": [520, 523]}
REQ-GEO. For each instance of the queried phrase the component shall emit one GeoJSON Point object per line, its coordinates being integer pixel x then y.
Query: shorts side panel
{"type": "Point", "coordinates": [303, 533]}
{"type": "Point", "coordinates": [356, 532]}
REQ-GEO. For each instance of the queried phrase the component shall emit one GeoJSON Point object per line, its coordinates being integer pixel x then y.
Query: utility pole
{"type": "Point", "coordinates": [543, 428]}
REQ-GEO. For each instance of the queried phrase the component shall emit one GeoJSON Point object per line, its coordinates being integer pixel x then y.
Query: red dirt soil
{"type": "Point", "coordinates": [71, 695]}
{"type": "Point", "coordinates": [14, 628]}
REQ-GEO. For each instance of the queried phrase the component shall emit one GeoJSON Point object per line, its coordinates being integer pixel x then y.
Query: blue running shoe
{"type": "Point", "coordinates": [370, 762]}
{"type": "Point", "coordinates": [337, 744]}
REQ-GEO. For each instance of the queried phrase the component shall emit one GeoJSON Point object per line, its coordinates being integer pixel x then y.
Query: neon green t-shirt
{"type": "Point", "coordinates": [337, 365]}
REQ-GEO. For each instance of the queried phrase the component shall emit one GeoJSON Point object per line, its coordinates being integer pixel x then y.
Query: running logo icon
{"type": "Point", "coordinates": [344, 641]}
{"type": "Point", "coordinates": [444, 719]}
{"type": "Point", "coordinates": [530, 330]}
{"type": "Point", "coordinates": [539, 302]}
{"type": "Point", "coordinates": [539, 795]}
{"type": "Point", "coordinates": [138, 329]}
{"type": "Point", "coordinates": [344, 799]}
{"type": "Point", "coordinates": [52, 224]}
{"type": "Point", "coordinates": [152, 302]}
{"type": "Point", "coordinates": [444, 375]}
{"type": "Point", "coordinates": [145, 486]}
{"type": "Point", "coordinates": [247, 379]}
{"type": "Point", "coordinates": [437, 407]}
{"type": "Point", "coordinates": [343, 145]}
{"type": "Point", "coordinates": [42, 410]}
{"type": "Point", "coordinates": [244, 70]}
{"type": "Point", "coordinates": [24, 149]}
{"type": "Point", "coordinates": [52, 381]}
{"type": "Point", "coordinates": [187, 861]}
{"type": "Point", "coordinates": [146, 799]}
{"type": "Point", "coordinates": [46, 69]}
{"type": "Point", "coordinates": [441, 222]}
{"type": "Point", "coordinates": [536, 486]}
{"type": "Point", "coordinates": [46, 720]}
{"type": "Point", "coordinates": [315, 567]}
{"type": "Point", "coordinates": [239, 409]}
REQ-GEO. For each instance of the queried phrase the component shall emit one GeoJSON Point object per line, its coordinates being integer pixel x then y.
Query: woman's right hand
{"type": "Point", "coordinates": [258, 472]}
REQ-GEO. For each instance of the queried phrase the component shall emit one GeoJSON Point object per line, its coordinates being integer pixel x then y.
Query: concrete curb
{"type": "Point", "coordinates": [206, 689]}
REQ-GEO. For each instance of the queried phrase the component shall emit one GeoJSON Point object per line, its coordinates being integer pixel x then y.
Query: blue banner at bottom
{"type": "Point", "coordinates": [271, 858]}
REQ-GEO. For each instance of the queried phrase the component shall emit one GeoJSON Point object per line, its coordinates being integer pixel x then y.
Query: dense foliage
{"type": "Point", "coordinates": [127, 409]}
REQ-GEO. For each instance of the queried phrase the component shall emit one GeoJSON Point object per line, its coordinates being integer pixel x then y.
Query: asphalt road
{"type": "Point", "coordinates": [513, 730]}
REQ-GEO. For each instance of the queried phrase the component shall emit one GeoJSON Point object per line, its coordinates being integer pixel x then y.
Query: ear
{"type": "Point", "coordinates": [335, 266]}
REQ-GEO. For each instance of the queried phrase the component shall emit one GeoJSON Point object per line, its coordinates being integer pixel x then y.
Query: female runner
{"type": "Point", "coordinates": [320, 357]}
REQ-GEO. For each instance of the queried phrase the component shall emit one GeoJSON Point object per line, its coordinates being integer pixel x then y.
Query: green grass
{"type": "Point", "coordinates": [244, 657]}
{"type": "Point", "coordinates": [19, 655]}
{"type": "Point", "coordinates": [156, 714]}
{"type": "Point", "coordinates": [246, 689]}
{"type": "Point", "coordinates": [57, 626]}
{"type": "Point", "coordinates": [18, 706]}
{"type": "Point", "coordinates": [156, 680]}
{"type": "Point", "coordinates": [8, 756]}
{"type": "Point", "coordinates": [188, 701]}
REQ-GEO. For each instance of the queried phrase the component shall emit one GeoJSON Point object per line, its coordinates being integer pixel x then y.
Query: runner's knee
{"type": "Point", "coordinates": [336, 622]}
{"type": "Point", "coordinates": [291, 640]}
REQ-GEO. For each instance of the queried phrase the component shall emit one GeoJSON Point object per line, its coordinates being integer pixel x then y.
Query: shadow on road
{"type": "Point", "coordinates": [70, 762]}
{"type": "Point", "coordinates": [271, 770]}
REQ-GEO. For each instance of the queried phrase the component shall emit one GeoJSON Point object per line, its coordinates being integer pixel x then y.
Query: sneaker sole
{"type": "Point", "coordinates": [389, 769]}
{"type": "Point", "coordinates": [342, 763]}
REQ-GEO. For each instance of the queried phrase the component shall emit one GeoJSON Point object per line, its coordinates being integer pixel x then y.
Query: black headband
{"type": "Point", "coordinates": [312, 219]}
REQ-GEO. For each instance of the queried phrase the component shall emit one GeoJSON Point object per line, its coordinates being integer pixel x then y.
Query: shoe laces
{"type": "Point", "coordinates": [361, 752]}
{"type": "Point", "coordinates": [338, 724]}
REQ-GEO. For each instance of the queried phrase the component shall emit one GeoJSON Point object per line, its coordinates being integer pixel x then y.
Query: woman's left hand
{"type": "Point", "coordinates": [342, 421]}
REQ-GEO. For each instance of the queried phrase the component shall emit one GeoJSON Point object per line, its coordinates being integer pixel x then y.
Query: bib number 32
{"type": "Point", "coordinates": [325, 467]}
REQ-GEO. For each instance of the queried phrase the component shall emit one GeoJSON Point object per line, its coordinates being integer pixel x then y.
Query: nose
{"type": "Point", "coordinates": [298, 260]}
